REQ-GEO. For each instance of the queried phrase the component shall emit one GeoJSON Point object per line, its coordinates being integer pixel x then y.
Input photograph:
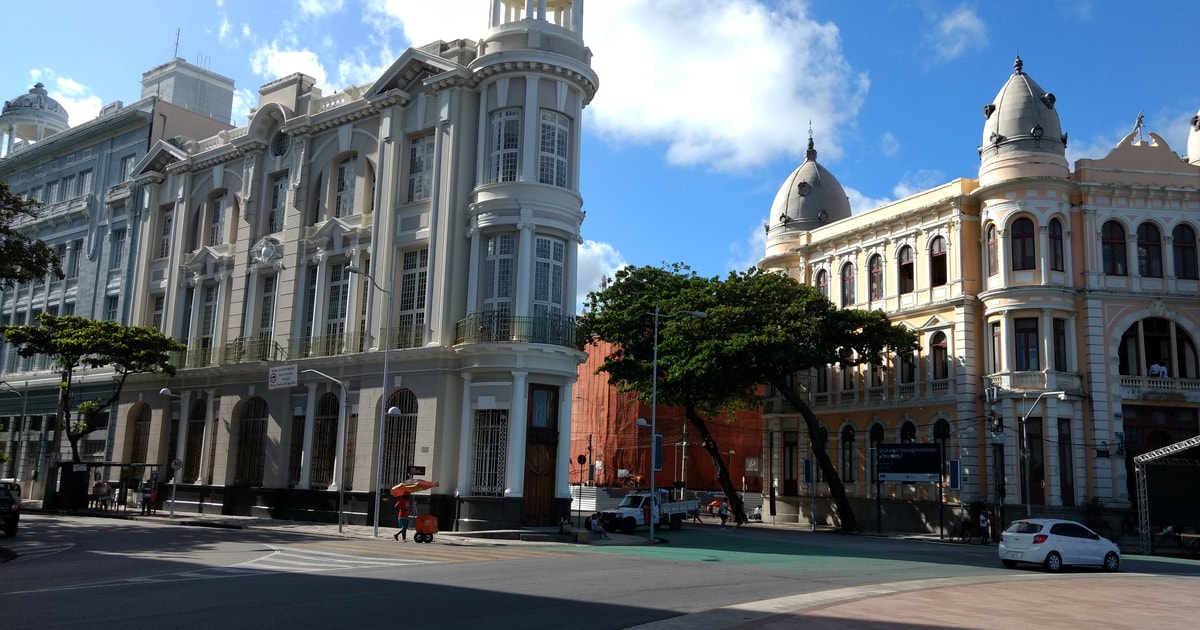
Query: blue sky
{"type": "Point", "coordinates": [704, 105]}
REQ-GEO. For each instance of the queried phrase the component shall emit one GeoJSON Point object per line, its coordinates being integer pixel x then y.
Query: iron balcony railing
{"type": "Point", "coordinates": [501, 327]}
{"type": "Point", "coordinates": [250, 350]}
{"type": "Point", "coordinates": [325, 345]}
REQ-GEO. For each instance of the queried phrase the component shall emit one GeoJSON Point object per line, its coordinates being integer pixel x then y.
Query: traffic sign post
{"type": "Point", "coordinates": [176, 465]}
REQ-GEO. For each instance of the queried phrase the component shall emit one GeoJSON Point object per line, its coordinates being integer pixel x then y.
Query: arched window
{"type": "Point", "coordinates": [1183, 242]}
{"type": "Point", "coordinates": [993, 256]}
{"type": "Point", "coordinates": [905, 275]}
{"type": "Point", "coordinates": [908, 433]}
{"type": "Point", "coordinates": [823, 283]}
{"type": "Point", "coordinates": [399, 437]}
{"type": "Point", "coordinates": [251, 451]}
{"type": "Point", "coordinates": [1112, 245]}
{"type": "Point", "coordinates": [847, 285]}
{"type": "Point", "coordinates": [849, 458]}
{"type": "Point", "coordinates": [1057, 254]}
{"type": "Point", "coordinates": [875, 284]}
{"type": "Point", "coordinates": [938, 274]}
{"type": "Point", "coordinates": [1149, 251]}
{"type": "Point", "coordinates": [1024, 254]}
{"type": "Point", "coordinates": [941, 356]}
{"type": "Point", "coordinates": [1152, 337]}
{"type": "Point", "coordinates": [343, 189]}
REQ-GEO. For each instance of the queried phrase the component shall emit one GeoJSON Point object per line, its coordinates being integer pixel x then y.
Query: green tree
{"type": "Point", "coordinates": [77, 343]}
{"type": "Point", "coordinates": [22, 259]}
{"type": "Point", "coordinates": [760, 327]}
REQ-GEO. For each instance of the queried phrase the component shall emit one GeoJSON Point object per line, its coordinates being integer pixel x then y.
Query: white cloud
{"type": "Point", "coordinates": [889, 144]}
{"type": "Point", "coordinates": [596, 261]}
{"type": "Point", "coordinates": [77, 99]}
{"type": "Point", "coordinates": [917, 181]}
{"type": "Point", "coordinates": [320, 8]}
{"type": "Point", "coordinates": [860, 203]}
{"type": "Point", "coordinates": [272, 63]}
{"type": "Point", "coordinates": [224, 30]}
{"type": "Point", "coordinates": [243, 100]}
{"type": "Point", "coordinates": [747, 253]}
{"type": "Point", "coordinates": [742, 82]}
{"type": "Point", "coordinates": [959, 31]}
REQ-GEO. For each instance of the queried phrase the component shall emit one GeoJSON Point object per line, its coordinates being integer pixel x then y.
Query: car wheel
{"type": "Point", "coordinates": [1112, 562]}
{"type": "Point", "coordinates": [628, 525]}
{"type": "Point", "coordinates": [676, 521]}
{"type": "Point", "coordinates": [1053, 562]}
{"type": "Point", "coordinates": [1009, 563]}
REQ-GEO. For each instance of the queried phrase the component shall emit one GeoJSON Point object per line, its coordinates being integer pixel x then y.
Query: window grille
{"type": "Point", "coordinates": [195, 442]}
{"type": "Point", "coordinates": [399, 438]}
{"type": "Point", "coordinates": [296, 451]}
{"type": "Point", "coordinates": [489, 446]}
{"type": "Point", "coordinates": [252, 430]}
{"type": "Point", "coordinates": [324, 441]}
{"type": "Point", "coordinates": [141, 435]}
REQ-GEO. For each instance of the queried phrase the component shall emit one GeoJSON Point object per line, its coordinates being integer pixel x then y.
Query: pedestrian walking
{"type": "Point", "coordinates": [983, 527]}
{"type": "Point", "coordinates": [723, 513]}
{"type": "Point", "coordinates": [992, 526]}
{"type": "Point", "coordinates": [404, 508]}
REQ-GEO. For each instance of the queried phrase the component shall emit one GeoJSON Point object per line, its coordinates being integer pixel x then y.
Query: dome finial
{"type": "Point", "coordinates": [1018, 65]}
{"type": "Point", "coordinates": [811, 154]}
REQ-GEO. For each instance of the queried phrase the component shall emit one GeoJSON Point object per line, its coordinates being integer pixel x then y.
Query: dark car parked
{"type": "Point", "coordinates": [10, 510]}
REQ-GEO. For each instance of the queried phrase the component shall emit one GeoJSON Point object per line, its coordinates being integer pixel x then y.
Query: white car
{"type": "Point", "coordinates": [1054, 543]}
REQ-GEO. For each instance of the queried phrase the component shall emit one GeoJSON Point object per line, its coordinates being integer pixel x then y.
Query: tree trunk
{"type": "Point", "coordinates": [736, 505]}
{"type": "Point", "coordinates": [836, 489]}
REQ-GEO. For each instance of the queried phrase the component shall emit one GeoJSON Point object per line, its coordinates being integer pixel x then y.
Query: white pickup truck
{"type": "Point", "coordinates": [638, 509]}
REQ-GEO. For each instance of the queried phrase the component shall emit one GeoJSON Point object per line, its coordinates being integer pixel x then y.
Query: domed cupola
{"type": "Point", "coordinates": [32, 117]}
{"type": "Point", "coordinates": [1193, 145]}
{"type": "Point", "coordinates": [809, 198]}
{"type": "Point", "coordinates": [1022, 136]}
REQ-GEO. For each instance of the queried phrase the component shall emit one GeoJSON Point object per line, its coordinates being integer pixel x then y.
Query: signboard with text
{"type": "Point", "coordinates": [909, 462]}
{"type": "Point", "coordinates": [282, 376]}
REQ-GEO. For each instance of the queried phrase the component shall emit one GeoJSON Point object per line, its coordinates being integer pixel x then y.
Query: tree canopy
{"type": "Point", "coordinates": [759, 327]}
{"type": "Point", "coordinates": [74, 343]}
{"type": "Point", "coordinates": [22, 259]}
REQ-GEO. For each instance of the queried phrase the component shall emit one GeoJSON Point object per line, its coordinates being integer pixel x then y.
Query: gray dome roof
{"type": "Point", "coordinates": [36, 102]}
{"type": "Point", "coordinates": [1022, 127]}
{"type": "Point", "coordinates": [810, 197]}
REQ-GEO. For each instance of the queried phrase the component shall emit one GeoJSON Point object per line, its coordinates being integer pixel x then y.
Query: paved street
{"type": "Point", "coordinates": [156, 573]}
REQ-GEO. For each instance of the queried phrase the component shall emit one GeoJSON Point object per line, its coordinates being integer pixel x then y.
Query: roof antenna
{"type": "Point", "coordinates": [176, 42]}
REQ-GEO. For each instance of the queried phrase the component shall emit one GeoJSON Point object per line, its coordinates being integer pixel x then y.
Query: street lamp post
{"type": "Point", "coordinates": [24, 408]}
{"type": "Point", "coordinates": [654, 396]}
{"type": "Point", "coordinates": [384, 410]}
{"type": "Point", "coordinates": [1025, 444]}
{"type": "Point", "coordinates": [167, 393]}
{"type": "Point", "coordinates": [340, 472]}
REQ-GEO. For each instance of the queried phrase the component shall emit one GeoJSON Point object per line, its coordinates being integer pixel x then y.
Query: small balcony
{"type": "Point", "coordinates": [324, 345]}
{"type": "Point", "coordinates": [501, 327]}
{"type": "Point", "coordinates": [251, 350]}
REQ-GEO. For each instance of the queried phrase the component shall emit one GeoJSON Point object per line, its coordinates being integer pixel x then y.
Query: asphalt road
{"type": "Point", "coordinates": [106, 573]}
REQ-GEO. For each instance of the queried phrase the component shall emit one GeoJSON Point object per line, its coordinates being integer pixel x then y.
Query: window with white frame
{"type": "Point", "coordinates": [266, 314]}
{"type": "Point", "coordinates": [549, 255]}
{"type": "Point", "coordinates": [504, 145]}
{"type": "Point", "coordinates": [111, 304]}
{"type": "Point", "coordinates": [116, 255]}
{"type": "Point", "coordinates": [420, 167]}
{"type": "Point", "coordinates": [411, 316]}
{"type": "Point", "coordinates": [157, 313]}
{"type": "Point", "coordinates": [343, 198]}
{"type": "Point", "coordinates": [85, 183]}
{"type": "Point", "coordinates": [555, 137]}
{"type": "Point", "coordinates": [339, 299]}
{"type": "Point", "coordinates": [73, 263]}
{"type": "Point", "coordinates": [208, 317]}
{"type": "Point", "coordinates": [848, 291]}
{"type": "Point", "coordinates": [164, 235]}
{"type": "Point", "coordinates": [278, 199]}
{"type": "Point", "coordinates": [938, 274]}
{"type": "Point", "coordinates": [68, 188]}
{"type": "Point", "coordinates": [1026, 342]}
{"type": "Point", "coordinates": [127, 164]}
{"type": "Point", "coordinates": [51, 193]}
{"type": "Point", "coordinates": [498, 273]}
{"type": "Point", "coordinates": [216, 226]}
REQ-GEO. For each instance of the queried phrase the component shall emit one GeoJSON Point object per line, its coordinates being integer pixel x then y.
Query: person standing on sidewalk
{"type": "Point", "coordinates": [404, 506]}
{"type": "Point", "coordinates": [983, 527]}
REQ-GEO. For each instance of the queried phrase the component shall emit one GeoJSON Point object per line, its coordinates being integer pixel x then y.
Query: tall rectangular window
{"type": "Point", "coordinates": [504, 145]}
{"type": "Point", "coordinates": [997, 349]}
{"type": "Point", "coordinates": [1060, 345]}
{"type": "Point", "coordinates": [157, 313]}
{"type": "Point", "coordinates": [553, 148]}
{"type": "Point", "coordinates": [411, 318]}
{"type": "Point", "coordinates": [266, 315]}
{"type": "Point", "coordinates": [489, 447]}
{"type": "Point", "coordinates": [85, 183]}
{"type": "Point", "coordinates": [164, 234]}
{"type": "Point", "coordinates": [278, 200]}
{"type": "Point", "coordinates": [549, 256]}
{"type": "Point", "coordinates": [127, 164]}
{"type": "Point", "coordinates": [208, 318]}
{"type": "Point", "coordinates": [73, 263]}
{"type": "Point", "coordinates": [51, 193]}
{"type": "Point", "coordinates": [420, 167]}
{"type": "Point", "coordinates": [216, 230]}
{"type": "Point", "coordinates": [339, 299]}
{"type": "Point", "coordinates": [68, 188]}
{"type": "Point", "coordinates": [498, 273]}
{"type": "Point", "coordinates": [1025, 341]}
{"type": "Point", "coordinates": [1057, 252]}
{"type": "Point", "coordinates": [343, 199]}
{"type": "Point", "coordinates": [111, 303]}
{"type": "Point", "coordinates": [116, 255]}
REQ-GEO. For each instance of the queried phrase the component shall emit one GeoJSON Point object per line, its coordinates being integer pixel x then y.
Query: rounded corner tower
{"type": "Point", "coordinates": [31, 117]}
{"type": "Point", "coordinates": [1022, 135]}
{"type": "Point", "coordinates": [809, 198]}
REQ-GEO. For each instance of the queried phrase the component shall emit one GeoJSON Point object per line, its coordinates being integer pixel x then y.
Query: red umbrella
{"type": "Point", "coordinates": [411, 486]}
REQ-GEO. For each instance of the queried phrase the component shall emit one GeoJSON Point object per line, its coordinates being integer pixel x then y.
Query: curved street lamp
{"type": "Point", "coordinates": [1025, 455]}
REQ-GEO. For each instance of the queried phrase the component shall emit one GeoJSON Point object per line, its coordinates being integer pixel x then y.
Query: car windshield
{"type": "Point", "coordinates": [631, 501]}
{"type": "Point", "coordinates": [5, 493]}
{"type": "Point", "coordinates": [1024, 527]}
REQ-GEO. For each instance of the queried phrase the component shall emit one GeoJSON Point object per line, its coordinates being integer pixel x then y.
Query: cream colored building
{"type": "Point", "coordinates": [1028, 280]}
{"type": "Point", "coordinates": [433, 213]}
